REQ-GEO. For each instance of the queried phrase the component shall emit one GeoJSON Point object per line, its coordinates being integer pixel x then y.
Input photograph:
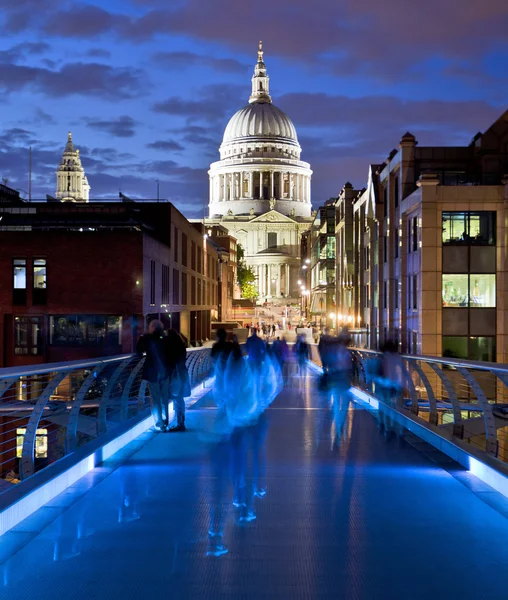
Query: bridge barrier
{"type": "Point", "coordinates": [59, 420]}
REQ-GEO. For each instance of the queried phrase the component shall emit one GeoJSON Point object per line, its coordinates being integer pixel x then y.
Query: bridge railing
{"type": "Point", "coordinates": [48, 411]}
{"type": "Point", "coordinates": [465, 400]}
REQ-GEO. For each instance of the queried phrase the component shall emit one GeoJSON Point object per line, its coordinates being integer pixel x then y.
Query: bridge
{"type": "Point", "coordinates": [356, 495]}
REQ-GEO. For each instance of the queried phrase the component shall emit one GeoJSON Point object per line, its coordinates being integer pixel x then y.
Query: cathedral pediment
{"type": "Point", "coordinates": [273, 216]}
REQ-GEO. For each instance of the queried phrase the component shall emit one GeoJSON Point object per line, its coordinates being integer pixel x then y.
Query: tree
{"type": "Point", "coordinates": [245, 276]}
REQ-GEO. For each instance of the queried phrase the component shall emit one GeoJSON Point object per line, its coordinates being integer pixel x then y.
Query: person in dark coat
{"type": "Point", "coordinates": [179, 377]}
{"type": "Point", "coordinates": [154, 344]}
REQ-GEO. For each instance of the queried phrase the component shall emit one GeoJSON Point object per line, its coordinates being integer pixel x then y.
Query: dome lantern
{"type": "Point", "coordinates": [260, 80]}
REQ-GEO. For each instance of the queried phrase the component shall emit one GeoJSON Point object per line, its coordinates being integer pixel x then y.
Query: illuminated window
{"type": "Point", "coordinates": [470, 229]}
{"type": "Point", "coordinates": [476, 291]}
{"type": "Point", "coordinates": [85, 330]}
{"type": "Point", "coordinates": [39, 281]}
{"type": "Point", "coordinates": [41, 442]}
{"type": "Point", "coordinates": [19, 281]}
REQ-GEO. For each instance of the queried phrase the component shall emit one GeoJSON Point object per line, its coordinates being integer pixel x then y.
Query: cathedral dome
{"type": "Point", "coordinates": [260, 119]}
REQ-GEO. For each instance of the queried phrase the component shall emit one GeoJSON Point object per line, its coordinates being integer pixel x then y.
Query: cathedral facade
{"type": "Point", "coordinates": [260, 190]}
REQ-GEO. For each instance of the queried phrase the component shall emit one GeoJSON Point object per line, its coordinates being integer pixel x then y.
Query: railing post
{"type": "Point", "coordinates": [411, 388]}
{"type": "Point", "coordinates": [27, 464]}
{"type": "Point", "coordinates": [124, 401]}
{"type": "Point", "coordinates": [433, 415]}
{"type": "Point", "coordinates": [104, 401]}
{"type": "Point", "coordinates": [72, 421]}
{"type": "Point", "coordinates": [458, 425]}
{"type": "Point", "coordinates": [488, 416]}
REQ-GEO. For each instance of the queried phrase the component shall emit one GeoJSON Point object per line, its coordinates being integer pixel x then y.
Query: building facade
{"type": "Point", "coordinates": [260, 190]}
{"type": "Point", "coordinates": [79, 280]}
{"type": "Point", "coordinates": [429, 235]}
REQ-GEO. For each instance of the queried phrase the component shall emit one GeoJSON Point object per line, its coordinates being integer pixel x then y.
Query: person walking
{"type": "Point", "coordinates": [154, 344]}
{"type": "Point", "coordinates": [179, 378]}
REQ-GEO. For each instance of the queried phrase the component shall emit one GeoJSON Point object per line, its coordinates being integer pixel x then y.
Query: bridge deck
{"type": "Point", "coordinates": [349, 513]}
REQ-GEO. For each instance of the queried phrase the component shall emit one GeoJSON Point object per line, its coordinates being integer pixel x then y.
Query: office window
{"type": "Point", "coordinates": [176, 287]}
{"type": "Point", "coordinates": [272, 239]}
{"type": "Point", "coordinates": [39, 281]}
{"type": "Point", "coordinates": [28, 335]}
{"type": "Point", "coordinates": [475, 291]}
{"type": "Point", "coordinates": [193, 255]}
{"type": "Point", "coordinates": [152, 283]}
{"type": "Point", "coordinates": [385, 248]}
{"type": "Point", "coordinates": [184, 288]}
{"type": "Point", "coordinates": [415, 234]}
{"type": "Point", "coordinates": [385, 294]}
{"type": "Point", "coordinates": [193, 290]}
{"type": "Point", "coordinates": [198, 282]}
{"type": "Point", "coordinates": [184, 249]}
{"type": "Point", "coordinates": [85, 330]}
{"type": "Point", "coordinates": [19, 281]}
{"type": "Point", "coordinates": [469, 228]}
{"type": "Point", "coordinates": [396, 243]}
{"type": "Point", "coordinates": [166, 286]}
{"type": "Point", "coordinates": [471, 348]}
{"type": "Point", "coordinates": [396, 293]}
{"type": "Point", "coordinates": [396, 192]}
{"type": "Point", "coordinates": [409, 240]}
{"type": "Point", "coordinates": [175, 245]}
{"type": "Point", "coordinates": [414, 286]}
{"type": "Point", "coordinates": [385, 200]}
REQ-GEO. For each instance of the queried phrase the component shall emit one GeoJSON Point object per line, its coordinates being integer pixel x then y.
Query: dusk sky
{"type": "Point", "coordinates": [148, 86]}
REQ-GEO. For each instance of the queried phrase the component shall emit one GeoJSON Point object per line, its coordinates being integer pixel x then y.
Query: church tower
{"type": "Point", "coordinates": [71, 182]}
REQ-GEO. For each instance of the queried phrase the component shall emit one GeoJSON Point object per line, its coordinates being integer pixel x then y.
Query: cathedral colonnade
{"type": "Point", "coordinates": [260, 185]}
{"type": "Point", "coordinates": [274, 279]}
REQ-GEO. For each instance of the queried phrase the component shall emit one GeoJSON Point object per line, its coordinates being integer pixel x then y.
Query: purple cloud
{"type": "Point", "coordinates": [123, 127]}
{"type": "Point", "coordinates": [87, 79]}
{"type": "Point", "coordinates": [166, 146]}
{"type": "Point", "coordinates": [184, 60]}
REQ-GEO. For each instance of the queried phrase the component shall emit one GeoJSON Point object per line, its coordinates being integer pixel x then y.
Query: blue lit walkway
{"type": "Point", "coordinates": [355, 514]}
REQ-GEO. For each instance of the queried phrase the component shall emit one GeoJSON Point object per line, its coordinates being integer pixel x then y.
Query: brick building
{"type": "Point", "coordinates": [82, 279]}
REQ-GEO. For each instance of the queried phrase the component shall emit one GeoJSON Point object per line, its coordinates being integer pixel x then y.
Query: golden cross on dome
{"type": "Point", "coordinates": [260, 52]}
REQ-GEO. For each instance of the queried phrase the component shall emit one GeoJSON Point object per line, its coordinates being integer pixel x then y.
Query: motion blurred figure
{"type": "Point", "coordinates": [179, 382]}
{"type": "Point", "coordinates": [302, 352]}
{"type": "Point", "coordinates": [156, 371]}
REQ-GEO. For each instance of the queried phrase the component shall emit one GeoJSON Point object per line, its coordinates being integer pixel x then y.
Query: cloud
{"type": "Point", "coordinates": [123, 127]}
{"type": "Point", "coordinates": [22, 51]}
{"type": "Point", "coordinates": [86, 79]}
{"type": "Point", "coordinates": [215, 102]}
{"type": "Point", "coordinates": [383, 115]}
{"type": "Point", "coordinates": [83, 21]}
{"type": "Point", "coordinates": [184, 60]}
{"type": "Point", "coordinates": [98, 53]}
{"type": "Point", "coordinates": [165, 145]}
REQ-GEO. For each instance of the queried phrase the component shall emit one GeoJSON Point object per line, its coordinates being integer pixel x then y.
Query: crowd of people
{"type": "Point", "coordinates": [246, 383]}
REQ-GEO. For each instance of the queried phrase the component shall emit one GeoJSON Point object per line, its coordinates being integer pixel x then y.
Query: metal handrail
{"type": "Point", "coordinates": [462, 399]}
{"type": "Point", "coordinates": [49, 411]}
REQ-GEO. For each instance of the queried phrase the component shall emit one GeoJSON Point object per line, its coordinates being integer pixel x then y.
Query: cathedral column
{"type": "Point", "coordinates": [288, 289]}
{"type": "Point", "coordinates": [210, 192]}
{"type": "Point", "coordinates": [279, 275]}
{"type": "Point", "coordinates": [223, 190]}
{"type": "Point", "coordinates": [251, 184]}
{"type": "Point", "coordinates": [269, 272]}
{"type": "Point", "coordinates": [272, 184]}
{"type": "Point", "coordinates": [261, 185]}
{"type": "Point", "coordinates": [291, 184]}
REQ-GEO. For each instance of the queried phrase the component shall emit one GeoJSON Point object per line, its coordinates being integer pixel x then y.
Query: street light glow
{"type": "Point", "coordinates": [299, 282]}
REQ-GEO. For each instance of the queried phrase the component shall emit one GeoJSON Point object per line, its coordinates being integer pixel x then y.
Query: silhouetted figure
{"type": "Point", "coordinates": [179, 382]}
{"type": "Point", "coordinates": [256, 350]}
{"type": "Point", "coordinates": [156, 371]}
